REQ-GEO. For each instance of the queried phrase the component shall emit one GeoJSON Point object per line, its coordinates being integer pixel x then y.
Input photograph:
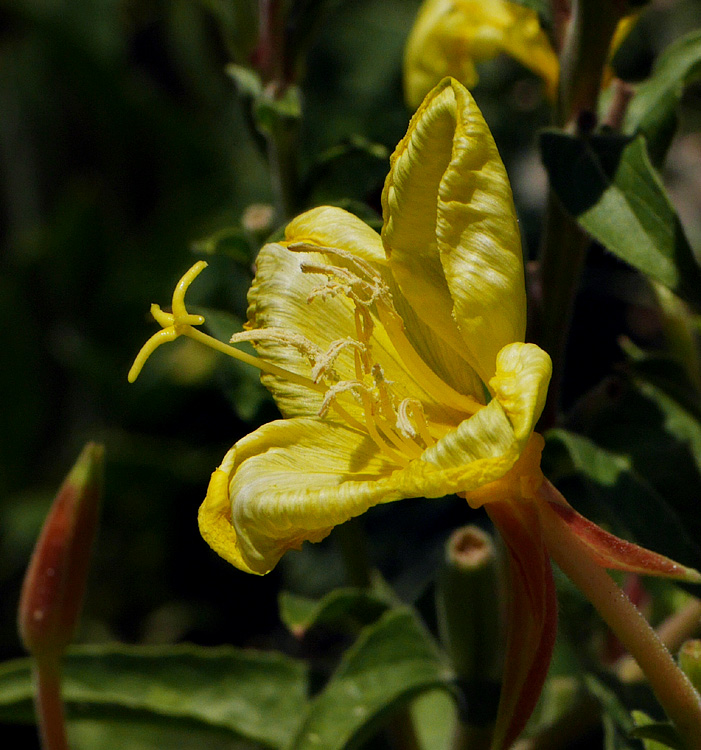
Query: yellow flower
{"type": "Point", "coordinates": [450, 36]}
{"type": "Point", "coordinates": [403, 338]}
{"type": "Point", "coordinates": [398, 363]}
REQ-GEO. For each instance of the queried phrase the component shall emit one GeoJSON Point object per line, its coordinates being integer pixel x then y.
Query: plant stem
{"type": "Point", "coordinates": [284, 172]}
{"type": "Point", "coordinates": [564, 244]}
{"type": "Point", "coordinates": [563, 253]}
{"type": "Point", "coordinates": [49, 705]}
{"type": "Point", "coordinates": [676, 629]}
{"type": "Point", "coordinates": [673, 689]}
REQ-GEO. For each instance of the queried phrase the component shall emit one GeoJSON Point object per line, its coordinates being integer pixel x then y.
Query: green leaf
{"type": "Point", "coordinates": [347, 607]}
{"type": "Point", "coordinates": [258, 696]}
{"type": "Point", "coordinates": [134, 731]}
{"type": "Point", "coordinates": [609, 701]}
{"type": "Point", "coordinates": [247, 81]}
{"type": "Point", "coordinates": [610, 187]}
{"type": "Point", "coordinates": [230, 241]}
{"type": "Point", "coordinates": [276, 114]}
{"type": "Point", "coordinates": [656, 735]}
{"type": "Point", "coordinates": [652, 111]}
{"type": "Point", "coordinates": [390, 663]}
{"type": "Point", "coordinates": [623, 496]}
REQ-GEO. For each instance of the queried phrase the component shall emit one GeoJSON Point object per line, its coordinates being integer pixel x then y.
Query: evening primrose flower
{"type": "Point", "coordinates": [450, 37]}
{"type": "Point", "coordinates": [399, 365]}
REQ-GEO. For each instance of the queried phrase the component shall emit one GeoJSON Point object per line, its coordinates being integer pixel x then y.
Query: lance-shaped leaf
{"type": "Point", "coordinates": [532, 617]}
{"type": "Point", "coordinates": [610, 187]}
{"type": "Point", "coordinates": [256, 696]}
{"type": "Point", "coordinates": [392, 661]}
{"type": "Point", "coordinates": [652, 111]}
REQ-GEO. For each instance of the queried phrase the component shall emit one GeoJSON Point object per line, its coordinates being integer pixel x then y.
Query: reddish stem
{"type": "Point", "coordinates": [49, 705]}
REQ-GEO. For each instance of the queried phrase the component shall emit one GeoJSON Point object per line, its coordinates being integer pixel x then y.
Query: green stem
{"type": "Point", "coordinates": [563, 253]}
{"type": "Point", "coordinates": [49, 705]}
{"type": "Point", "coordinates": [284, 172]}
{"type": "Point", "coordinates": [563, 249]}
{"type": "Point", "coordinates": [673, 689]}
{"type": "Point", "coordinates": [584, 57]}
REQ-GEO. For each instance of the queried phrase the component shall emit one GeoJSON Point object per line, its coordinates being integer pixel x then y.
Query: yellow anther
{"type": "Point", "coordinates": [325, 362]}
{"type": "Point", "coordinates": [412, 420]}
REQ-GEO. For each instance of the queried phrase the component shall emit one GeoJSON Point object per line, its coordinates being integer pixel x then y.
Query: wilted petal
{"type": "Point", "coordinates": [532, 617]}
{"type": "Point", "coordinates": [451, 231]}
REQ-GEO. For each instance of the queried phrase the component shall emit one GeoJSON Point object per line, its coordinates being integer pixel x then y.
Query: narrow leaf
{"type": "Point", "coordinates": [656, 735]}
{"type": "Point", "coordinates": [256, 695]}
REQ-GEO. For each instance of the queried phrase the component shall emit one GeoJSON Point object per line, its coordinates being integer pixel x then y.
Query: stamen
{"type": "Point", "coordinates": [419, 423]}
{"type": "Point", "coordinates": [301, 343]}
{"type": "Point", "coordinates": [325, 361]}
{"type": "Point", "coordinates": [362, 392]}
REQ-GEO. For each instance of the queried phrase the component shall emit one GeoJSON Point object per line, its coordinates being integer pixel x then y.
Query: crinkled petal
{"type": "Point", "coordinates": [450, 36]}
{"type": "Point", "coordinates": [288, 482]}
{"type": "Point", "coordinates": [483, 448]}
{"type": "Point", "coordinates": [294, 480]}
{"type": "Point", "coordinates": [521, 385]}
{"type": "Point", "coordinates": [451, 232]}
{"type": "Point", "coordinates": [532, 617]}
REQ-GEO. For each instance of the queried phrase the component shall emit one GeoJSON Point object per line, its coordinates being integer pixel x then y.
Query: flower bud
{"type": "Point", "coordinates": [53, 586]}
{"type": "Point", "coordinates": [470, 613]}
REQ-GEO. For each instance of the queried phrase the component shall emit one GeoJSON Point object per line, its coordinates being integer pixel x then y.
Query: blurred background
{"type": "Point", "coordinates": [126, 153]}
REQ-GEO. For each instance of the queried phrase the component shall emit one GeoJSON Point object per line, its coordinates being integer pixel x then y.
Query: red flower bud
{"type": "Point", "coordinates": [53, 587]}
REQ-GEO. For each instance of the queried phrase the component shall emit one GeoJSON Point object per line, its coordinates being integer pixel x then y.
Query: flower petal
{"type": "Point", "coordinates": [450, 36]}
{"type": "Point", "coordinates": [451, 231]}
{"type": "Point", "coordinates": [334, 227]}
{"type": "Point", "coordinates": [483, 448]}
{"type": "Point", "coordinates": [328, 226]}
{"type": "Point", "coordinates": [531, 617]}
{"type": "Point", "coordinates": [521, 385]}
{"type": "Point", "coordinates": [291, 481]}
